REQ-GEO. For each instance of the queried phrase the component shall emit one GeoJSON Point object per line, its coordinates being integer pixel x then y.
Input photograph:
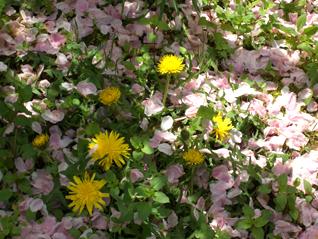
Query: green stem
{"type": "Point", "coordinates": [191, 182]}
{"type": "Point", "coordinates": [165, 93]}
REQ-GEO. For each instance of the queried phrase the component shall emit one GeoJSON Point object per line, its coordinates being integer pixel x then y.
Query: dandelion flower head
{"type": "Point", "coordinates": [170, 64]}
{"type": "Point", "coordinates": [107, 148]}
{"type": "Point", "coordinates": [222, 128]}
{"type": "Point", "coordinates": [86, 193]}
{"type": "Point", "coordinates": [109, 95]}
{"type": "Point", "coordinates": [40, 140]}
{"type": "Point", "coordinates": [193, 157]}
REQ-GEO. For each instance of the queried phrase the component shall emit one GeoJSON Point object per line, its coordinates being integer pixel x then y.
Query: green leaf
{"type": "Point", "coordinates": [282, 182]}
{"type": "Point", "coordinates": [82, 148]}
{"type": "Point", "coordinates": [162, 212]}
{"type": "Point", "coordinates": [154, 20]}
{"type": "Point", "coordinates": [195, 124]}
{"type": "Point", "coordinates": [305, 46]}
{"type": "Point", "coordinates": [307, 187]}
{"type": "Point", "coordinates": [183, 50]}
{"type": "Point", "coordinates": [129, 65]}
{"type": "Point", "coordinates": [263, 219]}
{"type": "Point", "coordinates": [138, 155]}
{"type": "Point", "coordinates": [264, 189]}
{"type": "Point", "coordinates": [143, 191]}
{"type": "Point", "coordinates": [15, 231]}
{"type": "Point", "coordinates": [203, 233]}
{"type": "Point", "coordinates": [127, 214]}
{"type": "Point", "coordinates": [144, 210]}
{"type": "Point", "coordinates": [5, 194]}
{"type": "Point", "coordinates": [301, 21]}
{"type": "Point", "coordinates": [76, 101]}
{"type": "Point", "coordinates": [2, 5]}
{"type": "Point", "coordinates": [30, 216]}
{"type": "Point", "coordinates": [5, 154]}
{"type": "Point", "coordinates": [136, 142]}
{"type": "Point", "coordinates": [288, 30]}
{"type": "Point", "coordinates": [158, 182]}
{"type": "Point", "coordinates": [22, 121]}
{"type": "Point", "coordinates": [220, 42]}
{"type": "Point", "coordinates": [291, 199]}
{"type": "Point", "coordinates": [244, 224]}
{"type": "Point", "coordinates": [297, 182]}
{"type": "Point", "coordinates": [308, 100]}
{"type": "Point", "coordinates": [111, 178]}
{"type": "Point", "coordinates": [147, 149]}
{"type": "Point", "coordinates": [248, 211]}
{"type": "Point", "coordinates": [160, 197]}
{"type": "Point", "coordinates": [76, 233]}
{"type": "Point", "coordinates": [9, 178]}
{"type": "Point", "coordinates": [58, 213]}
{"type": "Point", "coordinates": [25, 93]}
{"type": "Point", "coordinates": [311, 70]}
{"type": "Point", "coordinates": [258, 233]}
{"type": "Point", "coordinates": [294, 213]}
{"type": "Point", "coordinates": [52, 93]}
{"type": "Point", "coordinates": [206, 23]}
{"type": "Point", "coordinates": [24, 186]}
{"type": "Point", "coordinates": [92, 129]}
{"type": "Point", "coordinates": [309, 198]}
{"type": "Point", "coordinates": [310, 31]}
{"type": "Point", "coordinates": [28, 151]}
{"type": "Point", "coordinates": [205, 112]}
{"type": "Point", "coordinates": [151, 37]}
{"type": "Point", "coordinates": [219, 234]}
{"type": "Point", "coordinates": [280, 201]}
{"type": "Point", "coordinates": [5, 111]}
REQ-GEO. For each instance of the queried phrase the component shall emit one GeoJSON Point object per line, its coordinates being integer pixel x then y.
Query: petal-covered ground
{"type": "Point", "coordinates": [158, 119]}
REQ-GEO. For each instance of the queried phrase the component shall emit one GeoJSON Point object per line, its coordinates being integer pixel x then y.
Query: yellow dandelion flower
{"type": "Point", "coordinates": [107, 148]}
{"type": "Point", "coordinates": [222, 128]}
{"type": "Point", "coordinates": [193, 157]}
{"type": "Point", "coordinates": [40, 140]}
{"type": "Point", "coordinates": [86, 193]}
{"type": "Point", "coordinates": [170, 64]}
{"type": "Point", "coordinates": [109, 95]}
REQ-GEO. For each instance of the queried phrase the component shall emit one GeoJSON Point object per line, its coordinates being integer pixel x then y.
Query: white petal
{"type": "Point", "coordinates": [165, 148]}
{"type": "Point", "coordinates": [166, 123]}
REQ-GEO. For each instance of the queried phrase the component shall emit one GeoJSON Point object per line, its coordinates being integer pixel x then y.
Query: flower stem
{"type": "Point", "coordinates": [165, 93]}
{"type": "Point", "coordinates": [191, 182]}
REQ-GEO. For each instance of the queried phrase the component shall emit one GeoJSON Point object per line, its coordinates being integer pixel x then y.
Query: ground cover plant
{"type": "Point", "coordinates": [158, 119]}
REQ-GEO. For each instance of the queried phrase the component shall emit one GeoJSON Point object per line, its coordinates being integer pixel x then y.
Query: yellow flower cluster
{"type": "Point", "coordinates": [106, 148]}
{"type": "Point", "coordinates": [221, 130]}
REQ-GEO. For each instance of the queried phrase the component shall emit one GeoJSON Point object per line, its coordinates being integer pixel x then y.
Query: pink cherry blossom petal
{"type": "Point", "coordinates": [54, 116]}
